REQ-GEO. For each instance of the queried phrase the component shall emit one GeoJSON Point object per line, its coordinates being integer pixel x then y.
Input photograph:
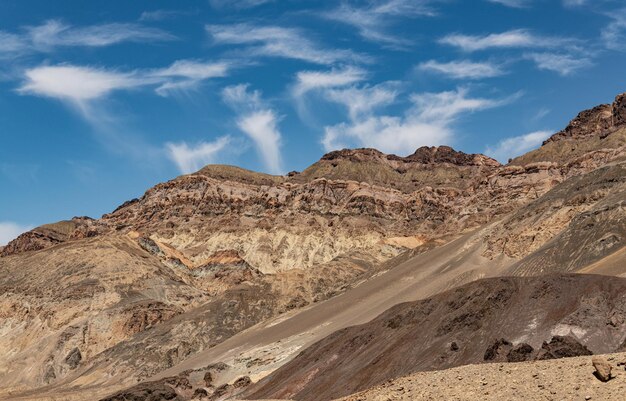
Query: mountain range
{"type": "Point", "coordinates": [363, 268]}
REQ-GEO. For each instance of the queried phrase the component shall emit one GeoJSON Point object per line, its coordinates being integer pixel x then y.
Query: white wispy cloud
{"type": "Point", "coordinates": [55, 33]}
{"type": "Point", "coordinates": [261, 127]}
{"type": "Point", "coordinates": [11, 43]}
{"type": "Point", "coordinates": [9, 231]}
{"type": "Point", "coordinates": [512, 3]}
{"type": "Point", "coordinates": [191, 158]}
{"type": "Point", "coordinates": [82, 84]}
{"type": "Point", "coordinates": [614, 33]}
{"type": "Point", "coordinates": [160, 15]}
{"type": "Point", "coordinates": [516, 38]}
{"type": "Point", "coordinates": [241, 4]}
{"type": "Point", "coordinates": [75, 83]}
{"type": "Point", "coordinates": [462, 69]}
{"type": "Point", "coordinates": [563, 64]}
{"type": "Point", "coordinates": [574, 3]}
{"type": "Point", "coordinates": [429, 121]}
{"type": "Point", "coordinates": [84, 89]}
{"type": "Point", "coordinates": [528, 3]}
{"type": "Point", "coordinates": [259, 122]}
{"type": "Point", "coordinates": [188, 74]}
{"type": "Point", "coordinates": [373, 20]}
{"type": "Point", "coordinates": [312, 80]}
{"type": "Point", "coordinates": [362, 100]}
{"type": "Point", "coordinates": [518, 145]}
{"type": "Point", "coordinates": [275, 41]}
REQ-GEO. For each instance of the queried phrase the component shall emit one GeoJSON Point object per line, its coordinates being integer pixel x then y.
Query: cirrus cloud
{"type": "Point", "coordinates": [191, 158]}
{"type": "Point", "coordinates": [428, 122]}
{"type": "Point", "coordinates": [10, 231]}
{"type": "Point", "coordinates": [259, 122]}
{"type": "Point", "coordinates": [509, 148]}
{"type": "Point", "coordinates": [462, 69]}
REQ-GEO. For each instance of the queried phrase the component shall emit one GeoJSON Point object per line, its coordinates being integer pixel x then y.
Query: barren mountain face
{"type": "Point", "coordinates": [457, 327]}
{"type": "Point", "coordinates": [229, 266]}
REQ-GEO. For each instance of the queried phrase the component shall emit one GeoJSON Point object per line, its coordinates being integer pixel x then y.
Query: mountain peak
{"type": "Point", "coordinates": [446, 154]}
{"type": "Point", "coordinates": [422, 155]}
{"type": "Point", "coordinates": [594, 121]}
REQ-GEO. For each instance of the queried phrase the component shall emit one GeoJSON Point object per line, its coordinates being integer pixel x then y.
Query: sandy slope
{"type": "Point", "coordinates": [561, 379]}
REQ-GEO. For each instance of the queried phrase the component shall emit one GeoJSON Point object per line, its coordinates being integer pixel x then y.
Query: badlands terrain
{"type": "Point", "coordinates": [440, 275]}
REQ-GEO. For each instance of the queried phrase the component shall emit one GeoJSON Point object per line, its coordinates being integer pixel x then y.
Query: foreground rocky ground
{"type": "Point", "coordinates": [561, 379]}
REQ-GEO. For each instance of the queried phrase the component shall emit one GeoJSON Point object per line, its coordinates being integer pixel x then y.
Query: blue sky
{"type": "Point", "coordinates": [101, 100]}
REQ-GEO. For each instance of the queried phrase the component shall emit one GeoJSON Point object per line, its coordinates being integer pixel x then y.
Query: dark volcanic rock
{"type": "Point", "coordinates": [562, 347]}
{"type": "Point", "coordinates": [149, 391]}
{"type": "Point", "coordinates": [520, 353]}
{"type": "Point", "coordinates": [498, 351]}
{"type": "Point", "coordinates": [243, 381]}
{"type": "Point", "coordinates": [221, 390]}
{"type": "Point", "coordinates": [73, 358]}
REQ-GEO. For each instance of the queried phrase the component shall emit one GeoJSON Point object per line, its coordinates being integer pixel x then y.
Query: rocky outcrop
{"type": "Point", "coordinates": [51, 234]}
{"type": "Point", "coordinates": [587, 123]}
{"type": "Point", "coordinates": [445, 154]}
{"type": "Point", "coordinates": [562, 347]}
{"type": "Point", "coordinates": [595, 121]}
{"type": "Point", "coordinates": [498, 351]}
{"type": "Point", "coordinates": [423, 155]}
{"type": "Point", "coordinates": [149, 391]}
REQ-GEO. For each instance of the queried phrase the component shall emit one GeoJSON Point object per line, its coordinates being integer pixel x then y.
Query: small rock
{"type": "Point", "coordinates": [603, 369]}
{"type": "Point", "coordinates": [208, 378]}
{"type": "Point", "coordinates": [73, 358]}
{"type": "Point", "coordinates": [454, 346]}
{"type": "Point", "coordinates": [243, 381]}
{"type": "Point", "coordinates": [587, 398]}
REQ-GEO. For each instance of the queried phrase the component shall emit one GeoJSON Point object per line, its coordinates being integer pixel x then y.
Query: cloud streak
{"type": "Point", "coordinates": [80, 85]}
{"type": "Point", "coordinates": [9, 231]}
{"type": "Point", "coordinates": [191, 158]}
{"type": "Point", "coordinates": [512, 3]}
{"type": "Point", "coordinates": [516, 38]}
{"type": "Point", "coordinates": [259, 122]}
{"type": "Point", "coordinates": [462, 69]}
{"type": "Point", "coordinates": [53, 34]}
{"type": "Point", "coordinates": [275, 41]}
{"type": "Point", "coordinates": [515, 146]}
{"type": "Point", "coordinates": [614, 34]}
{"type": "Point", "coordinates": [429, 121]}
{"type": "Point", "coordinates": [314, 80]}
{"type": "Point", "coordinates": [373, 21]}
{"type": "Point", "coordinates": [562, 64]}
